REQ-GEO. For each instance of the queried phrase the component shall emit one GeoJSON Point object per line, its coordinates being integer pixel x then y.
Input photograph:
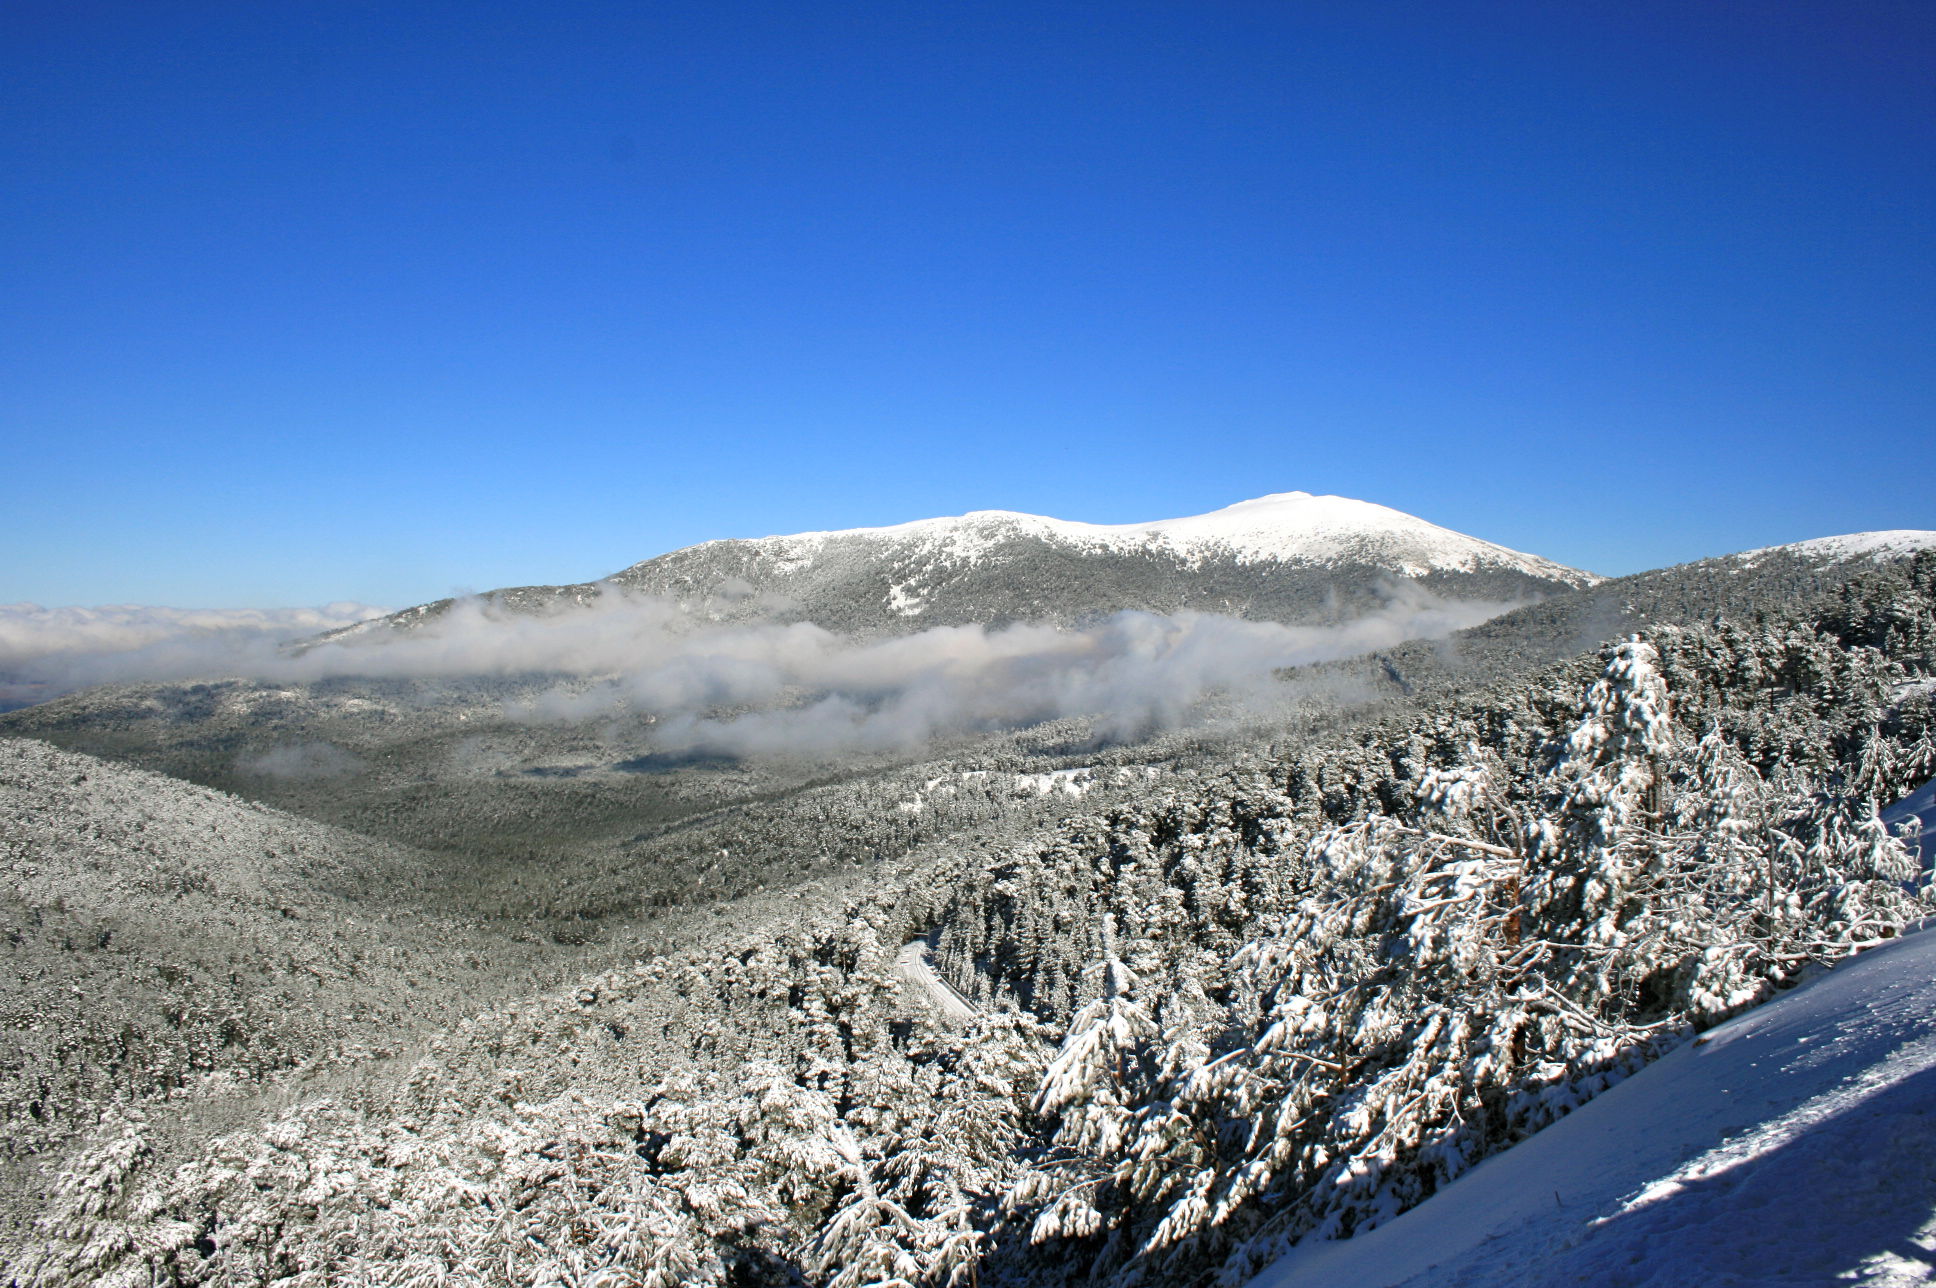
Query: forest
{"type": "Point", "coordinates": [1226, 997]}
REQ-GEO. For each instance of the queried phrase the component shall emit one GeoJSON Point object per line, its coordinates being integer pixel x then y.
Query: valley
{"type": "Point", "coordinates": [1281, 864]}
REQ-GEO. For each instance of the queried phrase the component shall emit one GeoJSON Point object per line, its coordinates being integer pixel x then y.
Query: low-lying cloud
{"type": "Point", "coordinates": [47, 652]}
{"type": "Point", "coordinates": [793, 689]}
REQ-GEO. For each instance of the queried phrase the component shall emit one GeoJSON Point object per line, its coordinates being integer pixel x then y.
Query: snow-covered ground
{"type": "Point", "coordinates": [1793, 1145]}
{"type": "Point", "coordinates": [919, 974]}
{"type": "Point", "coordinates": [1894, 543]}
{"type": "Point", "coordinates": [1914, 819]}
{"type": "Point", "coordinates": [1073, 783]}
{"type": "Point", "coordinates": [1284, 526]}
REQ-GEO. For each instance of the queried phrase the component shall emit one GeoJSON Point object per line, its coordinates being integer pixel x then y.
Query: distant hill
{"type": "Point", "coordinates": [449, 759]}
{"type": "Point", "coordinates": [1740, 586]}
{"type": "Point", "coordinates": [1290, 556]}
{"type": "Point", "coordinates": [159, 934]}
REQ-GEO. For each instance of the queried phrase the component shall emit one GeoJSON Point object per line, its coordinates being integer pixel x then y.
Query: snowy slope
{"type": "Point", "coordinates": [1795, 1144]}
{"type": "Point", "coordinates": [157, 931]}
{"type": "Point", "coordinates": [1289, 557]}
{"type": "Point", "coordinates": [1876, 547]}
{"type": "Point", "coordinates": [1285, 527]}
{"type": "Point", "coordinates": [1914, 819]}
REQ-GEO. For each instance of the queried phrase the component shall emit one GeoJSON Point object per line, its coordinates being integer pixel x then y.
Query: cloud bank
{"type": "Point", "coordinates": [46, 652]}
{"type": "Point", "coordinates": [755, 689]}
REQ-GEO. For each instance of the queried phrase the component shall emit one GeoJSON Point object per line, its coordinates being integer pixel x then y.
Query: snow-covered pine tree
{"type": "Point", "coordinates": [1090, 1093]}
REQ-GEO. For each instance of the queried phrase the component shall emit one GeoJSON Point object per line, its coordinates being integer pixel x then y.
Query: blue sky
{"type": "Point", "coordinates": [302, 302]}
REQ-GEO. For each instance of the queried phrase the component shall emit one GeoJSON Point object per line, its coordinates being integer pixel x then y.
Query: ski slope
{"type": "Point", "coordinates": [1794, 1145]}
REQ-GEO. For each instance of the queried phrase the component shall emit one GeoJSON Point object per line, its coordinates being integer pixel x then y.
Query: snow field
{"type": "Point", "coordinates": [1793, 1145]}
{"type": "Point", "coordinates": [1284, 526]}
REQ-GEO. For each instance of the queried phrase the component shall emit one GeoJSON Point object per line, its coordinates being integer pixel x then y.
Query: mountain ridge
{"type": "Point", "coordinates": [1288, 557]}
{"type": "Point", "coordinates": [1292, 526]}
{"type": "Point", "coordinates": [1739, 584]}
{"type": "Point", "coordinates": [1878, 546]}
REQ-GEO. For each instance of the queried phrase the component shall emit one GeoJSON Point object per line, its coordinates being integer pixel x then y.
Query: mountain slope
{"type": "Point", "coordinates": [1293, 992]}
{"type": "Point", "coordinates": [1794, 1145]}
{"type": "Point", "coordinates": [1290, 557]}
{"type": "Point", "coordinates": [159, 935]}
{"type": "Point", "coordinates": [1295, 989]}
{"type": "Point", "coordinates": [1854, 547]}
{"type": "Point", "coordinates": [1738, 585]}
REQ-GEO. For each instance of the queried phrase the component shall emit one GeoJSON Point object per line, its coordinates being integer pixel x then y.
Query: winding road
{"type": "Point", "coordinates": [914, 967]}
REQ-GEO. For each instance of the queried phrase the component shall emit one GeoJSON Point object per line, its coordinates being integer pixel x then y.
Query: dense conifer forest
{"type": "Point", "coordinates": [1225, 995]}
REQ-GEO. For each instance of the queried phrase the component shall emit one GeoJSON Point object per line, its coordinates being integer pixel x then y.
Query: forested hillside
{"type": "Point", "coordinates": [1740, 587]}
{"type": "Point", "coordinates": [1239, 1001]}
{"type": "Point", "coordinates": [164, 940]}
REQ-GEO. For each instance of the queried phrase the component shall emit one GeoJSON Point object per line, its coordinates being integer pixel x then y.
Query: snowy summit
{"type": "Point", "coordinates": [1287, 557]}
{"type": "Point", "coordinates": [1283, 527]}
{"type": "Point", "coordinates": [1290, 557]}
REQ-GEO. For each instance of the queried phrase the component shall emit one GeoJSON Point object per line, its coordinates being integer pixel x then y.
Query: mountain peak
{"type": "Point", "coordinates": [1287, 556]}
{"type": "Point", "coordinates": [1294, 527]}
{"type": "Point", "coordinates": [1270, 498]}
{"type": "Point", "coordinates": [1290, 556]}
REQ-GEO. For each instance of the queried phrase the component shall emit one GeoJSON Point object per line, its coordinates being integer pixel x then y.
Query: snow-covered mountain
{"type": "Point", "coordinates": [1561, 624]}
{"type": "Point", "coordinates": [1290, 556]}
{"type": "Point", "coordinates": [1853, 547]}
{"type": "Point", "coordinates": [1285, 527]}
{"type": "Point", "coordinates": [159, 931]}
{"type": "Point", "coordinates": [1232, 989]}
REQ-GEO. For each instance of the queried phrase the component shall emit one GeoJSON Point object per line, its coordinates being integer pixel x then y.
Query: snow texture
{"type": "Point", "coordinates": [1284, 527]}
{"type": "Point", "coordinates": [1878, 547]}
{"type": "Point", "coordinates": [1914, 819]}
{"type": "Point", "coordinates": [917, 971]}
{"type": "Point", "coordinates": [1795, 1145]}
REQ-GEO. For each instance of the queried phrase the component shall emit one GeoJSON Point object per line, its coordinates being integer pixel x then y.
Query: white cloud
{"type": "Point", "coordinates": [45, 652]}
{"type": "Point", "coordinates": [798, 689]}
